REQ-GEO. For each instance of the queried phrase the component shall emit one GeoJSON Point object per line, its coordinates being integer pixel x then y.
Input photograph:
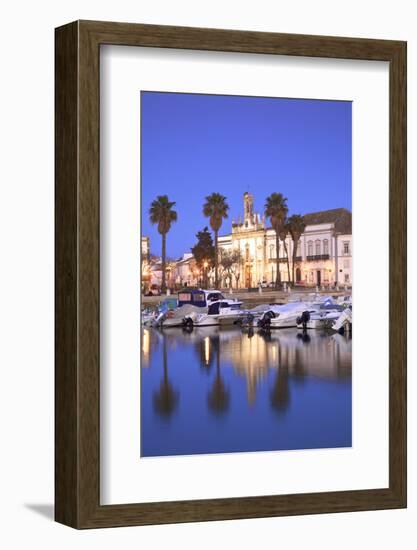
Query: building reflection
{"type": "Point", "coordinates": [295, 354]}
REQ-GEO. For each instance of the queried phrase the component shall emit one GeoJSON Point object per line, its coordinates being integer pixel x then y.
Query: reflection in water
{"type": "Point", "coordinates": [219, 396]}
{"type": "Point", "coordinates": [280, 394]}
{"type": "Point", "coordinates": [247, 381]}
{"type": "Point", "coordinates": [165, 399]}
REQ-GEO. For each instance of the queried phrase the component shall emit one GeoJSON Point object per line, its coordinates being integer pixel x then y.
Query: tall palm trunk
{"type": "Point", "coordinates": [164, 246]}
{"type": "Point", "coordinates": [278, 275]}
{"type": "Point", "coordinates": [216, 259]}
{"type": "Point", "coordinates": [288, 261]}
{"type": "Point", "coordinates": [294, 256]}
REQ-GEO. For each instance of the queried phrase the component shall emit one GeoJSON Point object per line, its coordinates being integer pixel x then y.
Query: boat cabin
{"type": "Point", "coordinates": [198, 297]}
{"type": "Point", "coordinates": [215, 307]}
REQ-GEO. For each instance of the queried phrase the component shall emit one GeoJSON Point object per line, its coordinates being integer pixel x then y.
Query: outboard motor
{"type": "Point", "coordinates": [246, 321]}
{"type": "Point", "coordinates": [188, 324]}
{"type": "Point", "coordinates": [303, 319]}
{"type": "Point", "coordinates": [265, 320]}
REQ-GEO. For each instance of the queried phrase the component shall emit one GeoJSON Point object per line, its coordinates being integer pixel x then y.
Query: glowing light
{"type": "Point", "coordinates": [146, 344]}
{"type": "Point", "coordinates": [207, 349]}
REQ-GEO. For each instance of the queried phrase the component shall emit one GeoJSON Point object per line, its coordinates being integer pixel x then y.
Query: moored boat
{"type": "Point", "coordinates": [223, 313]}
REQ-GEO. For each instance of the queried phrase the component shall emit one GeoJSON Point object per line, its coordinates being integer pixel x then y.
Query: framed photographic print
{"type": "Point", "coordinates": [230, 274]}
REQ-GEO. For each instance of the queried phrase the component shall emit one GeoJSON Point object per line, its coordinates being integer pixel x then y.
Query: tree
{"type": "Point", "coordinates": [230, 261]}
{"type": "Point", "coordinates": [296, 227]}
{"type": "Point", "coordinates": [203, 252]}
{"type": "Point", "coordinates": [276, 210]}
{"type": "Point", "coordinates": [215, 208]}
{"type": "Point", "coordinates": [161, 213]}
{"type": "Point", "coordinates": [283, 235]}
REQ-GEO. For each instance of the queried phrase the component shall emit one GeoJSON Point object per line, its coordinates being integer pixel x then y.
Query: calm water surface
{"type": "Point", "coordinates": [223, 390]}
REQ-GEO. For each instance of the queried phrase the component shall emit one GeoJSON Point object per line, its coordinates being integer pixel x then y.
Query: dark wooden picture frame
{"type": "Point", "coordinates": [77, 372]}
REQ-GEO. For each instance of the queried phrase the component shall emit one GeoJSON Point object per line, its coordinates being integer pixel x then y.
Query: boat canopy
{"type": "Point", "coordinates": [193, 297]}
{"type": "Point", "coordinates": [198, 297]}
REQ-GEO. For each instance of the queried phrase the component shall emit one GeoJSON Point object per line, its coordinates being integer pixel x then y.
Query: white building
{"type": "Point", "coordinates": [145, 249]}
{"type": "Point", "coordinates": [186, 272]}
{"type": "Point", "coordinates": [324, 252]}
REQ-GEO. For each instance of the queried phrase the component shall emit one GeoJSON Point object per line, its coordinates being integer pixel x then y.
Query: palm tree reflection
{"type": "Point", "coordinates": [299, 368]}
{"type": "Point", "coordinates": [280, 394]}
{"type": "Point", "coordinates": [165, 400]}
{"type": "Point", "coordinates": [219, 396]}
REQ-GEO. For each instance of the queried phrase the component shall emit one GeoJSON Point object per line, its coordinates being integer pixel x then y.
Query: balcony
{"type": "Point", "coordinates": [317, 257]}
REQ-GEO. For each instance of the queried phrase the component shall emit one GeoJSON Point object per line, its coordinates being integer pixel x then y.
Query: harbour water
{"type": "Point", "coordinates": [217, 390]}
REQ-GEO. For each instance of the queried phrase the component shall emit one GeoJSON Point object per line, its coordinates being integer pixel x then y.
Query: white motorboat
{"type": "Point", "coordinates": [344, 321]}
{"type": "Point", "coordinates": [223, 313]}
{"type": "Point", "coordinates": [319, 313]}
{"type": "Point", "coordinates": [284, 316]}
{"type": "Point", "coordinates": [191, 302]}
{"type": "Point", "coordinates": [318, 319]}
{"type": "Point", "coordinates": [175, 318]}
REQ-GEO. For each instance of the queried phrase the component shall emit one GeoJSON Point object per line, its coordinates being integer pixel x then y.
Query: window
{"type": "Point", "coordinates": [318, 248]}
{"type": "Point", "coordinates": [346, 277]}
{"type": "Point", "coordinates": [346, 264]}
{"type": "Point", "coordinates": [325, 246]}
{"type": "Point", "coordinates": [184, 296]}
{"type": "Point", "coordinates": [310, 248]}
{"type": "Point", "coordinates": [213, 296]}
{"type": "Point", "coordinates": [346, 247]}
{"type": "Point", "coordinates": [271, 251]}
{"type": "Point", "coordinates": [299, 248]}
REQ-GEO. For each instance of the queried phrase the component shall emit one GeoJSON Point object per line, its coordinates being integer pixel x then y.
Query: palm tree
{"type": "Point", "coordinates": [161, 213]}
{"type": "Point", "coordinates": [276, 210]}
{"type": "Point", "coordinates": [216, 209]}
{"type": "Point", "coordinates": [283, 235]}
{"type": "Point", "coordinates": [296, 227]}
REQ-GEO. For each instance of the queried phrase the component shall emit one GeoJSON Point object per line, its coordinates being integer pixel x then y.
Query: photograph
{"type": "Point", "coordinates": [246, 274]}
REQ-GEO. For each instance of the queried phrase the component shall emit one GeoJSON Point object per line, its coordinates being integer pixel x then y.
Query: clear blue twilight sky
{"type": "Point", "coordinates": [193, 145]}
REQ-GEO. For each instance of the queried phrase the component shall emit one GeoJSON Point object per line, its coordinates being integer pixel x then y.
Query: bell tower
{"type": "Point", "coordinates": [248, 208]}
